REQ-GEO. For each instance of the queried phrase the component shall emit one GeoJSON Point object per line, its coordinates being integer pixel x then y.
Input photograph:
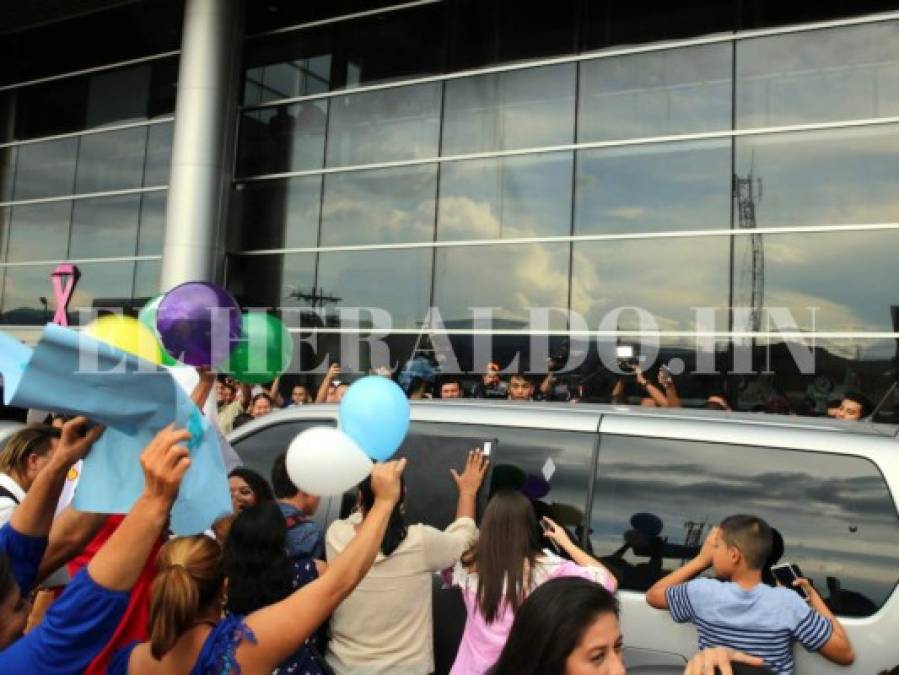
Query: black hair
{"type": "Point", "coordinates": [396, 527]}
{"type": "Point", "coordinates": [257, 483]}
{"type": "Point", "coordinates": [550, 624]}
{"type": "Point", "coordinates": [282, 486]}
{"type": "Point", "coordinates": [857, 397]}
{"type": "Point", "coordinates": [751, 535]}
{"type": "Point", "coordinates": [241, 419]}
{"type": "Point", "coordinates": [255, 560]}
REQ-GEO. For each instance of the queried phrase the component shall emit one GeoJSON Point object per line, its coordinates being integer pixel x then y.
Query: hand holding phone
{"type": "Point", "coordinates": [787, 574]}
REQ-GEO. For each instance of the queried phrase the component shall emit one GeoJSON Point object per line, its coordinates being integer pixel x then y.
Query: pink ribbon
{"type": "Point", "coordinates": [62, 294]}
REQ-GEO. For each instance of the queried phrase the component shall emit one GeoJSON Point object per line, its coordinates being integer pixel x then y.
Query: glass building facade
{"type": "Point", "coordinates": [729, 167]}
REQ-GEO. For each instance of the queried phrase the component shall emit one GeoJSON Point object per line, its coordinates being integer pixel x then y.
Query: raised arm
{"type": "Point", "coordinates": [281, 628]}
{"type": "Point", "coordinates": [274, 391]}
{"type": "Point", "coordinates": [35, 514]}
{"type": "Point", "coordinates": [837, 649]}
{"type": "Point", "coordinates": [653, 391]}
{"type": "Point", "coordinates": [118, 564]}
{"type": "Point", "coordinates": [657, 595]}
{"type": "Point", "coordinates": [559, 535]}
{"type": "Point", "coordinates": [469, 482]}
{"type": "Point", "coordinates": [203, 387]}
{"type": "Point", "coordinates": [333, 371]}
{"type": "Point", "coordinates": [70, 533]}
{"type": "Point", "coordinates": [670, 388]}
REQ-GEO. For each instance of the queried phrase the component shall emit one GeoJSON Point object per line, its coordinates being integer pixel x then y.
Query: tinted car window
{"type": "Point", "coordinates": [656, 499]}
{"type": "Point", "coordinates": [259, 450]}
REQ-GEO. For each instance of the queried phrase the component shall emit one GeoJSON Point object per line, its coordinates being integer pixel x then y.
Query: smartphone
{"type": "Point", "coordinates": [786, 574]}
{"type": "Point", "coordinates": [487, 447]}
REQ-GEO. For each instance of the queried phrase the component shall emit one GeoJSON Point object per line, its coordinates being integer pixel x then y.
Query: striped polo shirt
{"type": "Point", "coordinates": [762, 621]}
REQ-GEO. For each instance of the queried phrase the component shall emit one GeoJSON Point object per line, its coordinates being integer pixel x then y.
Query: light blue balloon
{"type": "Point", "coordinates": [374, 412]}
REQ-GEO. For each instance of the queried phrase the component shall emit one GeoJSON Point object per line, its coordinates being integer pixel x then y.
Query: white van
{"type": "Point", "coordinates": [641, 487]}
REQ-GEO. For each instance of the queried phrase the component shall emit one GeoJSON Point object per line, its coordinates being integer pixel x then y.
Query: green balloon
{"type": "Point", "coordinates": [147, 316]}
{"type": "Point", "coordinates": [263, 353]}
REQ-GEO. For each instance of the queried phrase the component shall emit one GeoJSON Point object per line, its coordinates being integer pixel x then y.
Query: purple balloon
{"type": "Point", "coordinates": [197, 323]}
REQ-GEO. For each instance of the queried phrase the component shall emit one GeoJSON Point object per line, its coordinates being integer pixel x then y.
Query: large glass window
{"type": "Point", "coordinates": [511, 110]}
{"type": "Point", "coordinates": [281, 139]}
{"type": "Point", "coordinates": [818, 76]}
{"type": "Point", "coordinates": [675, 91]}
{"type": "Point", "coordinates": [111, 161]}
{"type": "Point", "coordinates": [800, 275]}
{"type": "Point", "coordinates": [505, 197]}
{"type": "Point", "coordinates": [105, 227]}
{"type": "Point", "coordinates": [398, 281]}
{"type": "Point", "coordinates": [89, 101]}
{"type": "Point", "coordinates": [655, 499]}
{"type": "Point", "coordinates": [46, 169]}
{"type": "Point", "coordinates": [345, 54]}
{"type": "Point", "coordinates": [28, 296]}
{"type": "Point", "coordinates": [380, 206]}
{"type": "Point", "coordinates": [146, 281]}
{"type": "Point", "coordinates": [653, 188]}
{"type": "Point", "coordinates": [276, 281]}
{"type": "Point", "coordinates": [666, 277]}
{"type": "Point", "coordinates": [384, 125]}
{"type": "Point", "coordinates": [7, 172]}
{"type": "Point", "coordinates": [39, 232]}
{"type": "Point", "coordinates": [102, 285]}
{"type": "Point", "coordinates": [278, 213]}
{"type": "Point", "coordinates": [827, 177]}
{"type": "Point", "coordinates": [510, 278]}
{"type": "Point", "coordinates": [159, 155]}
{"type": "Point", "coordinates": [152, 223]}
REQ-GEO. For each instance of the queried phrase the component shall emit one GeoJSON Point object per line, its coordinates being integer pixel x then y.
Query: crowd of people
{"type": "Point", "coordinates": [266, 590]}
{"type": "Point", "coordinates": [239, 403]}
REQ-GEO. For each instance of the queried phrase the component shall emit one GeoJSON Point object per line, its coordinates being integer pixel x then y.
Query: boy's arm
{"type": "Point", "coordinates": [837, 649]}
{"type": "Point", "coordinates": [657, 595]}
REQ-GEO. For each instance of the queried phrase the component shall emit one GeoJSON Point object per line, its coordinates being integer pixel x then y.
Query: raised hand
{"type": "Point", "coordinates": [75, 440]}
{"type": "Point", "coordinates": [471, 478]}
{"type": "Point", "coordinates": [717, 660]}
{"type": "Point", "coordinates": [385, 481]}
{"type": "Point", "coordinates": [165, 462]}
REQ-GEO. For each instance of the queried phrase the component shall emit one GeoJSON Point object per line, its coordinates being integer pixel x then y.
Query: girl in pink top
{"type": "Point", "coordinates": [502, 569]}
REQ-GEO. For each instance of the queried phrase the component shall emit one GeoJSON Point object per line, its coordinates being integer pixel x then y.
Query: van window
{"type": "Point", "coordinates": [551, 467]}
{"type": "Point", "coordinates": [656, 499]}
{"type": "Point", "coordinates": [259, 450]}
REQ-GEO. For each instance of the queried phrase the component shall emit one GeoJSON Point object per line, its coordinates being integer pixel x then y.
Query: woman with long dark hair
{"type": "Point", "coordinates": [503, 568]}
{"type": "Point", "coordinates": [259, 574]}
{"type": "Point", "coordinates": [568, 626]}
{"type": "Point", "coordinates": [385, 625]}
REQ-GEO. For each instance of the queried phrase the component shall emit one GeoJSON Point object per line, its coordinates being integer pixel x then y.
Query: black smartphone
{"type": "Point", "coordinates": [786, 574]}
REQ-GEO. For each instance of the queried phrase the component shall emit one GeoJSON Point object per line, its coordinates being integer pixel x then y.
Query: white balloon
{"type": "Point", "coordinates": [325, 461]}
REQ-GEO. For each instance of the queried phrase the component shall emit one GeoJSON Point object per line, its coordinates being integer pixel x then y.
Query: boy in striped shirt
{"type": "Point", "coordinates": [740, 611]}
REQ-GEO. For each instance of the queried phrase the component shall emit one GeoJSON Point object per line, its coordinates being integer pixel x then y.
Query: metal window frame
{"type": "Point", "coordinates": [89, 132]}
{"type": "Point", "coordinates": [85, 195]}
{"type": "Point", "coordinates": [82, 261]}
{"type": "Point", "coordinates": [624, 236]}
{"type": "Point", "coordinates": [92, 69]}
{"type": "Point", "coordinates": [573, 147]}
{"type": "Point", "coordinates": [341, 18]}
{"type": "Point", "coordinates": [576, 58]}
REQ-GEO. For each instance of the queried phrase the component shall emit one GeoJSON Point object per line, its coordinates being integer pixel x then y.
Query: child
{"type": "Point", "coordinates": [740, 611]}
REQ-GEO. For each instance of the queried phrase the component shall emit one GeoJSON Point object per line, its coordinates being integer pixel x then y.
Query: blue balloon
{"type": "Point", "coordinates": [374, 412]}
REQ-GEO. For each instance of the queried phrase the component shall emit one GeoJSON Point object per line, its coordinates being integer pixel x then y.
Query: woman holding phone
{"type": "Point", "coordinates": [503, 568]}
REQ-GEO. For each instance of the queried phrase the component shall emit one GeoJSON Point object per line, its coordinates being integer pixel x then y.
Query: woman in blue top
{"type": "Point", "coordinates": [187, 633]}
{"type": "Point", "coordinates": [260, 573]}
{"type": "Point", "coordinates": [82, 621]}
